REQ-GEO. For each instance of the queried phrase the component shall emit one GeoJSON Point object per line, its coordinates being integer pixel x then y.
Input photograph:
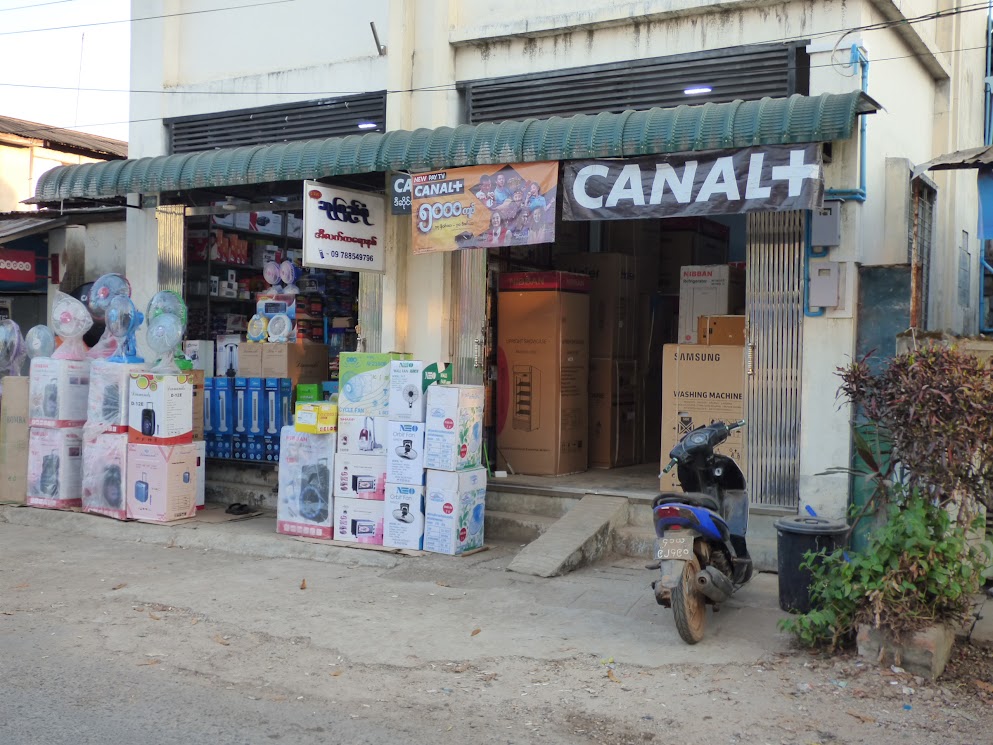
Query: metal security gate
{"type": "Point", "coordinates": [774, 302]}
{"type": "Point", "coordinates": [469, 321]}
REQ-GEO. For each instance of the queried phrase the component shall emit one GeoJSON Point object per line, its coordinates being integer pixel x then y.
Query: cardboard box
{"type": "Point", "coordinates": [700, 385]}
{"type": "Point", "coordinates": [55, 468]}
{"type": "Point", "coordinates": [201, 449]}
{"type": "Point", "coordinates": [227, 362]}
{"type": "Point", "coordinates": [317, 418]}
{"type": "Point", "coordinates": [363, 435]}
{"type": "Point", "coordinates": [543, 373]}
{"type": "Point", "coordinates": [307, 392]}
{"type": "Point", "coordinates": [278, 405]}
{"type": "Point", "coordinates": [403, 516]}
{"type": "Point", "coordinates": [198, 403]}
{"type": "Point", "coordinates": [301, 362]}
{"type": "Point", "coordinates": [219, 446]}
{"type": "Point", "coordinates": [708, 291]}
{"type": "Point", "coordinates": [454, 511]}
{"type": "Point", "coordinates": [613, 413]}
{"type": "Point", "coordinates": [358, 521]}
{"type": "Point", "coordinates": [454, 429]}
{"type": "Point", "coordinates": [689, 241]}
{"type": "Point", "coordinates": [248, 447]}
{"type": "Point", "coordinates": [202, 354]}
{"type": "Point", "coordinates": [250, 359]}
{"type": "Point", "coordinates": [249, 406]}
{"type": "Point", "coordinates": [360, 476]}
{"type": "Point", "coordinates": [613, 330]}
{"type": "Point", "coordinates": [304, 506]}
{"type": "Point", "coordinates": [107, 401]}
{"type": "Point", "coordinates": [160, 409]}
{"type": "Point", "coordinates": [161, 482]}
{"type": "Point", "coordinates": [364, 379]}
{"type": "Point", "coordinates": [615, 381]}
{"type": "Point", "coordinates": [409, 381]}
{"type": "Point", "coordinates": [721, 331]}
{"type": "Point", "coordinates": [59, 391]}
{"type": "Point", "coordinates": [14, 439]}
{"type": "Point", "coordinates": [405, 453]}
{"type": "Point", "coordinates": [222, 406]}
{"type": "Point", "coordinates": [105, 458]}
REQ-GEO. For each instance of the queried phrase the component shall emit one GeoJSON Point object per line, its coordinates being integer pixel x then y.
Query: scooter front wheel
{"type": "Point", "coordinates": [688, 605]}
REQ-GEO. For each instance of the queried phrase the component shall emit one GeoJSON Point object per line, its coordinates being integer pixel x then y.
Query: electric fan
{"type": "Point", "coordinates": [271, 274]}
{"type": "Point", "coordinates": [289, 273]}
{"type": "Point", "coordinates": [123, 320]}
{"type": "Point", "coordinates": [165, 320]}
{"type": "Point", "coordinates": [99, 298]}
{"type": "Point", "coordinates": [280, 328]}
{"type": "Point", "coordinates": [70, 320]}
{"type": "Point", "coordinates": [257, 328]}
{"type": "Point", "coordinates": [12, 348]}
{"type": "Point", "coordinates": [410, 394]}
{"type": "Point", "coordinates": [40, 342]}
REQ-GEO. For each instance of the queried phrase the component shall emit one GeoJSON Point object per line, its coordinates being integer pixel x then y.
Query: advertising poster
{"type": "Point", "coordinates": [483, 206]}
{"type": "Point", "coordinates": [342, 228]}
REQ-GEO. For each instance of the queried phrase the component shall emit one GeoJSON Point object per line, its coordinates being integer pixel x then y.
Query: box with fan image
{"type": "Point", "coordinates": [14, 440]}
{"type": "Point", "coordinates": [58, 392]}
{"type": "Point", "coordinates": [454, 510]}
{"type": "Point", "coordinates": [403, 516]}
{"type": "Point", "coordinates": [249, 406]}
{"type": "Point", "coordinates": [409, 380]}
{"type": "Point", "coordinates": [360, 476]}
{"type": "Point", "coordinates": [362, 434]}
{"type": "Point", "coordinates": [248, 447]}
{"type": "Point", "coordinates": [364, 379]}
{"type": "Point", "coordinates": [278, 405]}
{"type": "Point", "coordinates": [219, 406]}
{"type": "Point", "coordinates": [306, 465]}
{"type": "Point", "coordinates": [219, 446]}
{"type": "Point", "coordinates": [358, 521]}
{"type": "Point", "coordinates": [55, 468]}
{"type": "Point", "coordinates": [405, 453]}
{"type": "Point", "coordinates": [454, 439]}
{"type": "Point", "coordinates": [107, 408]}
{"type": "Point", "coordinates": [105, 457]}
{"type": "Point", "coordinates": [160, 409]}
{"type": "Point", "coordinates": [161, 482]}
{"type": "Point", "coordinates": [316, 417]}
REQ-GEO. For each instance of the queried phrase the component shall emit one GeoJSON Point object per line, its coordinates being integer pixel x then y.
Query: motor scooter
{"type": "Point", "coordinates": [700, 548]}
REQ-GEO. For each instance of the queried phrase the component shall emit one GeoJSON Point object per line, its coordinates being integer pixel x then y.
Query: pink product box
{"type": "Point", "coordinates": [161, 482]}
{"type": "Point", "coordinates": [55, 468]}
{"type": "Point", "coordinates": [358, 521]}
{"type": "Point", "coordinates": [304, 505]}
{"type": "Point", "coordinates": [58, 392]}
{"type": "Point", "coordinates": [360, 476]}
{"type": "Point", "coordinates": [105, 457]}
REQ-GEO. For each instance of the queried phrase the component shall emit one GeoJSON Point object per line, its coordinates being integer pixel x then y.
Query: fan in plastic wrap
{"type": "Point", "coordinates": [40, 342]}
{"type": "Point", "coordinates": [289, 273]}
{"type": "Point", "coordinates": [12, 349]}
{"type": "Point", "coordinates": [165, 324]}
{"type": "Point", "coordinates": [98, 298]}
{"type": "Point", "coordinates": [70, 320]}
{"type": "Point", "coordinates": [257, 328]}
{"type": "Point", "coordinates": [280, 328]}
{"type": "Point", "coordinates": [123, 320]}
{"type": "Point", "coordinates": [271, 274]}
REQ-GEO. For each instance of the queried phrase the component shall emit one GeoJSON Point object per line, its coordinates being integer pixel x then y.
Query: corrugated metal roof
{"type": "Point", "coordinates": [13, 229]}
{"type": "Point", "coordinates": [737, 124]}
{"type": "Point", "coordinates": [99, 146]}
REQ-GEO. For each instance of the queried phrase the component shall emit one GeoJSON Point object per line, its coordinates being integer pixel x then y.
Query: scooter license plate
{"type": "Point", "coordinates": [677, 547]}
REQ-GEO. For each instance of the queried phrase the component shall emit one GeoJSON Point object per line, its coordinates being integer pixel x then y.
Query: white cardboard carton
{"type": "Point", "coordinates": [201, 447]}
{"type": "Point", "coordinates": [55, 468]}
{"type": "Point", "coordinates": [714, 290]}
{"type": "Point", "coordinates": [454, 438]}
{"type": "Point", "coordinates": [58, 392]}
{"type": "Point", "coordinates": [454, 511]}
{"type": "Point", "coordinates": [306, 466]}
{"type": "Point", "coordinates": [360, 476]}
{"type": "Point", "coordinates": [403, 516]}
{"type": "Point", "coordinates": [407, 391]}
{"type": "Point", "coordinates": [161, 482]}
{"type": "Point", "coordinates": [160, 409]}
{"type": "Point", "coordinates": [358, 521]}
{"type": "Point", "coordinates": [362, 435]}
{"type": "Point", "coordinates": [405, 453]}
{"type": "Point", "coordinates": [201, 354]}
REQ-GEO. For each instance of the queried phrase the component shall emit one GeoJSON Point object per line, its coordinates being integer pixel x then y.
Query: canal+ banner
{"type": "Point", "coordinates": [686, 184]}
{"type": "Point", "coordinates": [482, 206]}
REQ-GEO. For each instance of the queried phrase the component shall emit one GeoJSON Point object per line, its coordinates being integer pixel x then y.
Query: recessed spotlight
{"type": "Point", "coordinates": [367, 125]}
{"type": "Point", "coordinates": [697, 90]}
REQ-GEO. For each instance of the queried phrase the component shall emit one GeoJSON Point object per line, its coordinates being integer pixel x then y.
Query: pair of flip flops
{"type": "Point", "coordinates": [238, 509]}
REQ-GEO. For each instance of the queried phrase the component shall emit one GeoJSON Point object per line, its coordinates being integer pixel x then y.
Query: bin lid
{"type": "Point", "coordinates": [809, 525]}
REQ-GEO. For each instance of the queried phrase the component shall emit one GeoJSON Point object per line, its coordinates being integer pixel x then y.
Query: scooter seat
{"type": "Point", "coordinates": [693, 499]}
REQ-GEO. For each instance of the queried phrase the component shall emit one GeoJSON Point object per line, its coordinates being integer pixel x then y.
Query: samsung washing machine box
{"type": "Point", "coordinates": [358, 521]}
{"type": "Point", "coordinates": [160, 409]}
{"type": "Point", "coordinates": [161, 482]}
{"type": "Point", "coordinates": [362, 434]}
{"type": "Point", "coordinates": [403, 516]}
{"type": "Point", "coordinates": [405, 453]}
{"type": "Point", "coordinates": [107, 408]}
{"type": "Point", "coordinates": [58, 392]}
{"type": "Point", "coordinates": [454, 510]}
{"type": "Point", "coordinates": [306, 465]}
{"type": "Point", "coordinates": [360, 476]}
{"type": "Point", "coordinates": [105, 457]}
{"type": "Point", "coordinates": [55, 468]}
{"type": "Point", "coordinates": [454, 434]}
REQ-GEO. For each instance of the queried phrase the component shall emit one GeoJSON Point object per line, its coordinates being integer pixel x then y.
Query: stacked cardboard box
{"type": "Point", "coordinates": [306, 463]}
{"type": "Point", "coordinates": [14, 439]}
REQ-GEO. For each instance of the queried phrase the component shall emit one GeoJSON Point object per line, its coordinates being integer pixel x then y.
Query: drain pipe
{"type": "Point", "coordinates": [859, 59]}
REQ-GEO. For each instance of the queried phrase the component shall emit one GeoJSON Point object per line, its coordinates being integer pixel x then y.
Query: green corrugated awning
{"type": "Point", "coordinates": [770, 121]}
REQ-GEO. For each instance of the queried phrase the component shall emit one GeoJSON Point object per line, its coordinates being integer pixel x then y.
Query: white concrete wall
{"type": "Point", "coordinates": [105, 249]}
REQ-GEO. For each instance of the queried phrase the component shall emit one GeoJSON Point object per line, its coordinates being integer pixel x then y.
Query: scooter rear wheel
{"type": "Point", "coordinates": [688, 605]}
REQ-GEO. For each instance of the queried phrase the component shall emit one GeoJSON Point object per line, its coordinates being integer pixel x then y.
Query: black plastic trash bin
{"type": "Point", "coordinates": [795, 536]}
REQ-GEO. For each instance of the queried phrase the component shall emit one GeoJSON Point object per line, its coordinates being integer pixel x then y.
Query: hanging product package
{"type": "Point", "coordinates": [306, 462]}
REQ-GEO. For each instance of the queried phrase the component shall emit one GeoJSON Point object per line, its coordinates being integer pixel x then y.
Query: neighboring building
{"type": "Point", "coordinates": [308, 71]}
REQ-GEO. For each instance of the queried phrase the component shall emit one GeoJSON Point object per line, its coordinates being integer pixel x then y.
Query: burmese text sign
{"type": "Point", "coordinates": [342, 228]}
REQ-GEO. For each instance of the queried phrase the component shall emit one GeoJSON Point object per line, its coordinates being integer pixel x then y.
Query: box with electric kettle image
{"type": "Point", "coordinates": [105, 457]}
{"type": "Point", "coordinates": [161, 482]}
{"type": "Point", "coordinates": [58, 392]}
{"type": "Point", "coordinates": [362, 435]}
{"type": "Point", "coordinates": [360, 476]}
{"type": "Point", "coordinates": [405, 453]}
{"type": "Point", "coordinates": [364, 382]}
{"type": "Point", "coordinates": [107, 407]}
{"type": "Point", "coordinates": [304, 504]}
{"type": "Point", "coordinates": [55, 468]}
{"type": "Point", "coordinates": [160, 409]}
{"type": "Point", "coordinates": [358, 521]}
{"type": "Point", "coordinates": [454, 511]}
{"type": "Point", "coordinates": [403, 516]}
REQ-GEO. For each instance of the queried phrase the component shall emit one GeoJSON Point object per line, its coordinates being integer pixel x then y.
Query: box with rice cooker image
{"type": "Point", "coordinates": [58, 392]}
{"type": "Point", "coordinates": [161, 482]}
{"type": "Point", "coordinates": [364, 382]}
{"type": "Point", "coordinates": [403, 516]}
{"type": "Point", "coordinates": [405, 453]}
{"type": "Point", "coordinates": [454, 511]}
{"type": "Point", "coordinates": [358, 521]}
{"type": "Point", "coordinates": [160, 409]}
{"type": "Point", "coordinates": [55, 468]}
{"type": "Point", "coordinates": [360, 476]}
{"type": "Point", "coordinates": [304, 506]}
{"type": "Point", "coordinates": [454, 427]}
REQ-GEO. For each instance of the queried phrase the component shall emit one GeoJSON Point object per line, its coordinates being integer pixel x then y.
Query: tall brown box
{"type": "Point", "coordinates": [543, 373]}
{"type": "Point", "coordinates": [301, 362]}
{"type": "Point", "coordinates": [613, 413]}
{"type": "Point", "coordinates": [721, 330]}
{"type": "Point", "coordinates": [197, 376]}
{"type": "Point", "coordinates": [14, 440]}
{"type": "Point", "coordinates": [249, 359]}
{"type": "Point", "coordinates": [613, 301]}
{"type": "Point", "coordinates": [699, 385]}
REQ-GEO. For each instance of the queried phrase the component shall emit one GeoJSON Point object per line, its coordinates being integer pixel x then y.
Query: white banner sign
{"type": "Point", "coordinates": [342, 228]}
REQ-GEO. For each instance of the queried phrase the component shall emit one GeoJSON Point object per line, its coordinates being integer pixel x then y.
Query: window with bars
{"type": "Point", "coordinates": [920, 246]}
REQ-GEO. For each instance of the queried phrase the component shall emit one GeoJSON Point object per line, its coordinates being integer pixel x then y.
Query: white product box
{"type": "Point", "coordinates": [405, 453]}
{"type": "Point", "coordinates": [364, 382]}
{"type": "Point", "coordinates": [714, 290]}
{"type": "Point", "coordinates": [454, 511]}
{"type": "Point", "coordinates": [407, 385]}
{"type": "Point", "coordinates": [403, 516]}
{"type": "Point", "coordinates": [160, 409]}
{"type": "Point", "coordinates": [55, 467]}
{"type": "Point", "coordinates": [306, 464]}
{"type": "Point", "coordinates": [107, 407]}
{"type": "Point", "coordinates": [58, 391]}
{"type": "Point", "coordinates": [365, 435]}
{"type": "Point", "coordinates": [201, 448]}
{"type": "Point", "coordinates": [161, 482]}
{"type": "Point", "coordinates": [105, 457]}
{"type": "Point", "coordinates": [201, 353]}
{"type": "Point", "coordinates": [226, 354]}
{"type": "Point", "coordinates": [454, 440]}
{"type": "Point", "coordinates": [358, 521]}
{"type": "Point", "coordinates": [360, 476]}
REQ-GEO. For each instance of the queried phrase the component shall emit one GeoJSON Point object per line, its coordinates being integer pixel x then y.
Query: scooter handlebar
{"type": "Point", "coordinates": [668, 467]}
{"type": "Point", "coordinates": [736, 425]}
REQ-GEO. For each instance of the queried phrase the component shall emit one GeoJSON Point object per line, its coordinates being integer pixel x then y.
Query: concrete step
{"type": "Point", "coordinates": [252, 485]}
{"type": "Point", "coordinates": [638, 541]}
{"type": "Point", "coordinates": [507, 498]}
{"type": "Point", "coordinates": [516, 526]}
{"type": "Point", "coordinates": [634, 540]}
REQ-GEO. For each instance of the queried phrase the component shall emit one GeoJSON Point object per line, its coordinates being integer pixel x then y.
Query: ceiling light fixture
{"type": "Point", "coordinates": [367, 125]}
{"type": "Point", "coordinates": [697, 90]}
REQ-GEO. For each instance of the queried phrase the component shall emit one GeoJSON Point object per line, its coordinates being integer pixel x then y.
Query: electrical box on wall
{"type": "Point", "coordinates": [825, 284]}
{"type": "Point", "coordinates": [825, 225]}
